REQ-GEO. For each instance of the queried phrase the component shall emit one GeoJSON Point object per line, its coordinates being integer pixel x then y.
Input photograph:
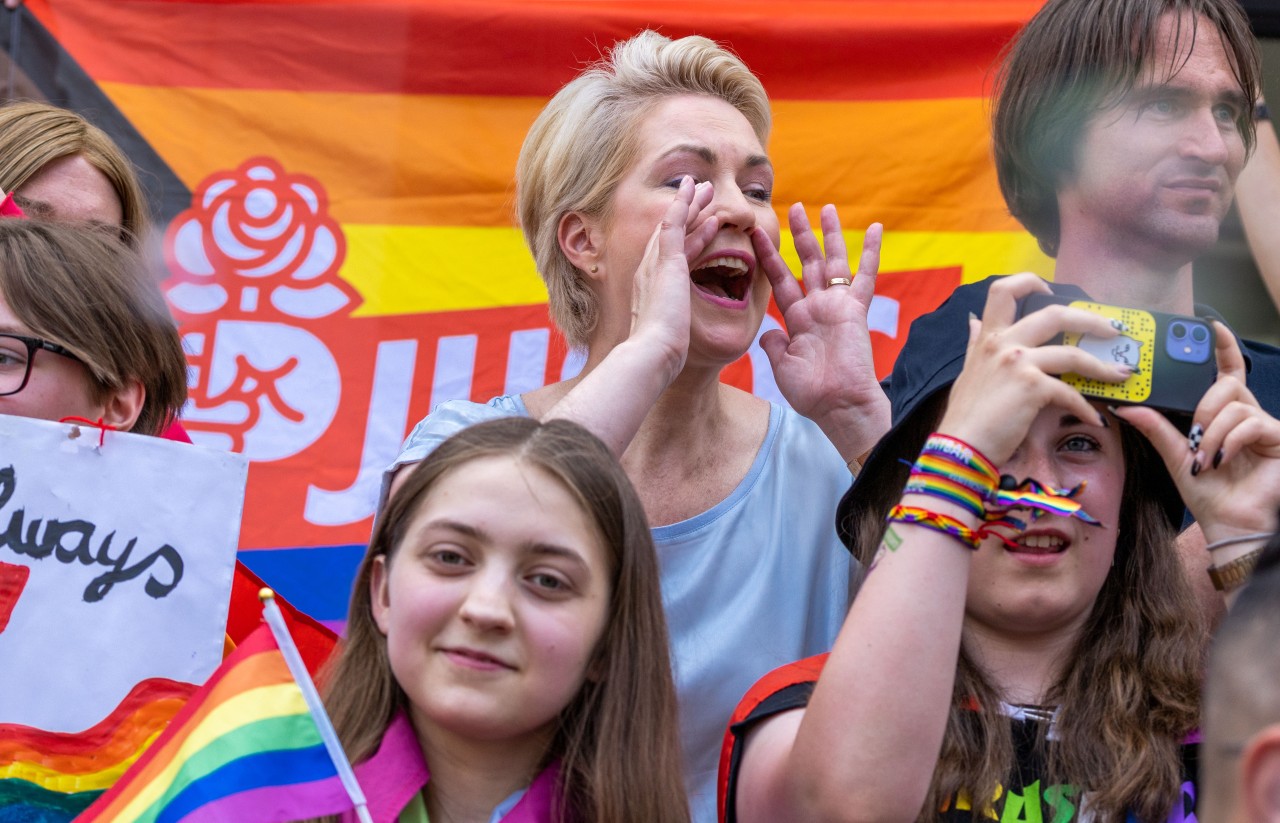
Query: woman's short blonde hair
{"type": "Point", "coordinates": [33, 135]}
{"type": "Point", "coordinates": [583, 142]}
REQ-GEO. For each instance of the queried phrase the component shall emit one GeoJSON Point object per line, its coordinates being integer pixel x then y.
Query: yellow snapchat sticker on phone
{"type": "Point", "coordinates": [1135, 347]}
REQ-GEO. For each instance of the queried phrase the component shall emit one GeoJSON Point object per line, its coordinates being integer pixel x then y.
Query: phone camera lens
{"type": "Point", "coordinates": [1199, 334]}
{"type": "Point", "coordinates": [1178, 331]}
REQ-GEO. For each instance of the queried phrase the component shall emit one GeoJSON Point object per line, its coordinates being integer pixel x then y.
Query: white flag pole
{"type": "Point", "coordinates": [275, 619]}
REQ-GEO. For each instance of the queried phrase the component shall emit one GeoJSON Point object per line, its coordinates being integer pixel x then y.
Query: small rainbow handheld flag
{"type": "Point", "coordinates": [254, 743]}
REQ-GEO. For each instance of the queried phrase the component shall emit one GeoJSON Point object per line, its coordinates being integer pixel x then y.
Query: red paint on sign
{"type": "Point", "coordinates": [13, 579]}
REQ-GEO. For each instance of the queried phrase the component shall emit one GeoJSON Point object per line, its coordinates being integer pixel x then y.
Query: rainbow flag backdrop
{"type": "Point", "coordinates": [383, 135]}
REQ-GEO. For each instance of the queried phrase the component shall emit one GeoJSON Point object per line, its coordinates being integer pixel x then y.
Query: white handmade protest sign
{"type": "Point", "coordinates": [116, 562]}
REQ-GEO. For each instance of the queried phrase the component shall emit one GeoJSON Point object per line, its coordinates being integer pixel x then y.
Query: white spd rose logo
{"type": "Point", "coordinates": [254, 259]}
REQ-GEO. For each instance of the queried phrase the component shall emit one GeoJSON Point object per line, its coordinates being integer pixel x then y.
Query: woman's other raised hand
{"type": "Point", "coordinates": [822, 363]}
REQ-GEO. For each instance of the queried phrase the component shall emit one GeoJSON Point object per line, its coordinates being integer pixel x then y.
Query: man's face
{"type": "Point", "coordinates": [1157, 169]}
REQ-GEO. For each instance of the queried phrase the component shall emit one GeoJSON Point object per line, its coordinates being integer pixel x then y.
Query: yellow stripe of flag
{"type": "Point", "coordinates": [421, 269]}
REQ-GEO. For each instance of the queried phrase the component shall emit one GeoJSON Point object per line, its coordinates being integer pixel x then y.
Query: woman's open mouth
{"type": "Point", "coordinates": [725, 278]}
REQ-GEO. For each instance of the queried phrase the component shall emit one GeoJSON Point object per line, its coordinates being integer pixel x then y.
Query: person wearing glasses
{"type": "Point", "coordinates": [84, 331]}
{"type": "Point", "coordinates": [56, 165]}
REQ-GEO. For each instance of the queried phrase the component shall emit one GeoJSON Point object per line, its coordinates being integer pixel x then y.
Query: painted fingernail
{"type": "Point", "coordinates": [1195, 436]}
{"type": "Point", "coordinates": [1102, 418]}
{"type": "Point", "coordinates": [1217, 458]}
{"type": "Point", "coordinates": [973, 316]}
{"type": "Point", "coordinates": [1119, 325]}
{"type": "Point", "coordinates": [1195, 467]}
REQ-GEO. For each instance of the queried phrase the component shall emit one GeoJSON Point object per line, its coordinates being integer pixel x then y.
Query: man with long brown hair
{"type": "Point", "coordinates": [1119, 129]}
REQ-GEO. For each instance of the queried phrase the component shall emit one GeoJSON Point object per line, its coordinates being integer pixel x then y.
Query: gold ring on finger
{"type": "Point", "coordinates": [839, 281]}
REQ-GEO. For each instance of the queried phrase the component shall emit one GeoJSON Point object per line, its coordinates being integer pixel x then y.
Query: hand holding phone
{"type": "Point", "coordinates": [1172, 355]}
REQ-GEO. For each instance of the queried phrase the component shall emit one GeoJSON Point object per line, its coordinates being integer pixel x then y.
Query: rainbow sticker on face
{"type": "Point", "coordinates": [1135, 347]}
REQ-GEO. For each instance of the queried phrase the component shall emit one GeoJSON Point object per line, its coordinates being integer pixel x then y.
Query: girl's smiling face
{"type": "Point", "coordinates": [1050, 581]}
{"type": "Point", "coordinates": [494, 603]}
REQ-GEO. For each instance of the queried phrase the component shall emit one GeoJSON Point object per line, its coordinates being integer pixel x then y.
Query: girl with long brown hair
{"type": "Point", "coordinates": [506, 651]}
{"type": "Point", "coordinates": [1018, 650]}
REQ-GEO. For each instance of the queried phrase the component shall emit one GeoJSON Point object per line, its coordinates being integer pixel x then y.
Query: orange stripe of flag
{"type": "Point", "coordinates": [450, 160]}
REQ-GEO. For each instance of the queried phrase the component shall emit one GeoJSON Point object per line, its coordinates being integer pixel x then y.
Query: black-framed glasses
{"type": "Point", "coordinates": [17, 351]}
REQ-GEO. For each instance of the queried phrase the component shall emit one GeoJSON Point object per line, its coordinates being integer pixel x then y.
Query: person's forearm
{"type": "Point", "coordinates": [613, 399]}
{"type": "Point", "coordinates": [873, 730]}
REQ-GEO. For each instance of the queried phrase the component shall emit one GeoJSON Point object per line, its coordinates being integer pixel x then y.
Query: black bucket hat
{"type": "Point", "coordinates": [930, 361]}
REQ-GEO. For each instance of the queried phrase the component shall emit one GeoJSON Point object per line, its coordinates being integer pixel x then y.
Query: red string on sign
{"type": "Point", "coordinates": [98, 424]}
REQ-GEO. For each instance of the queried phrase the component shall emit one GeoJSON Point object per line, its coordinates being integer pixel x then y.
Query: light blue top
{"type": "Point", "coordinates": [758, 580]}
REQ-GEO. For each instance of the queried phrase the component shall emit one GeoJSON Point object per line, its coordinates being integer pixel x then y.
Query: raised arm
{"type": "Point", "coordinates": [612, 400]}
{"type": "Point", "coordinates": [866, 746]}
{"type": "Point", "coordinates": [822, 362]}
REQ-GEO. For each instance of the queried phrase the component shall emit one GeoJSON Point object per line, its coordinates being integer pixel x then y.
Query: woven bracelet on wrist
{"type": "Point", "coordinates": [935, 521]}
{"type": "Point", "coordinates": [952, 470]}
{"type": "Point", "coordinates": [947, 488]}
{"type": "Point", "coordinates": [960, 461]}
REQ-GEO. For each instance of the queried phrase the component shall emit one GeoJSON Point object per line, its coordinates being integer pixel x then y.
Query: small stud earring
{"type": "Point", "coordinates": [595, 269]}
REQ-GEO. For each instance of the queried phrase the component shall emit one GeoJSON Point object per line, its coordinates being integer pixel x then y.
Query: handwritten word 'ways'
{"type": "Point", "coordinates": [70, 541]}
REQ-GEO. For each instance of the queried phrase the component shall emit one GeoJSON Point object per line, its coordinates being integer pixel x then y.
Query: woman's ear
{"type": "Point", "coordinates": [581, 241]}
{"type": "Point", "coordinates": [122, 406]}
{"type": "Point", "coordinates": [379, 598]}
